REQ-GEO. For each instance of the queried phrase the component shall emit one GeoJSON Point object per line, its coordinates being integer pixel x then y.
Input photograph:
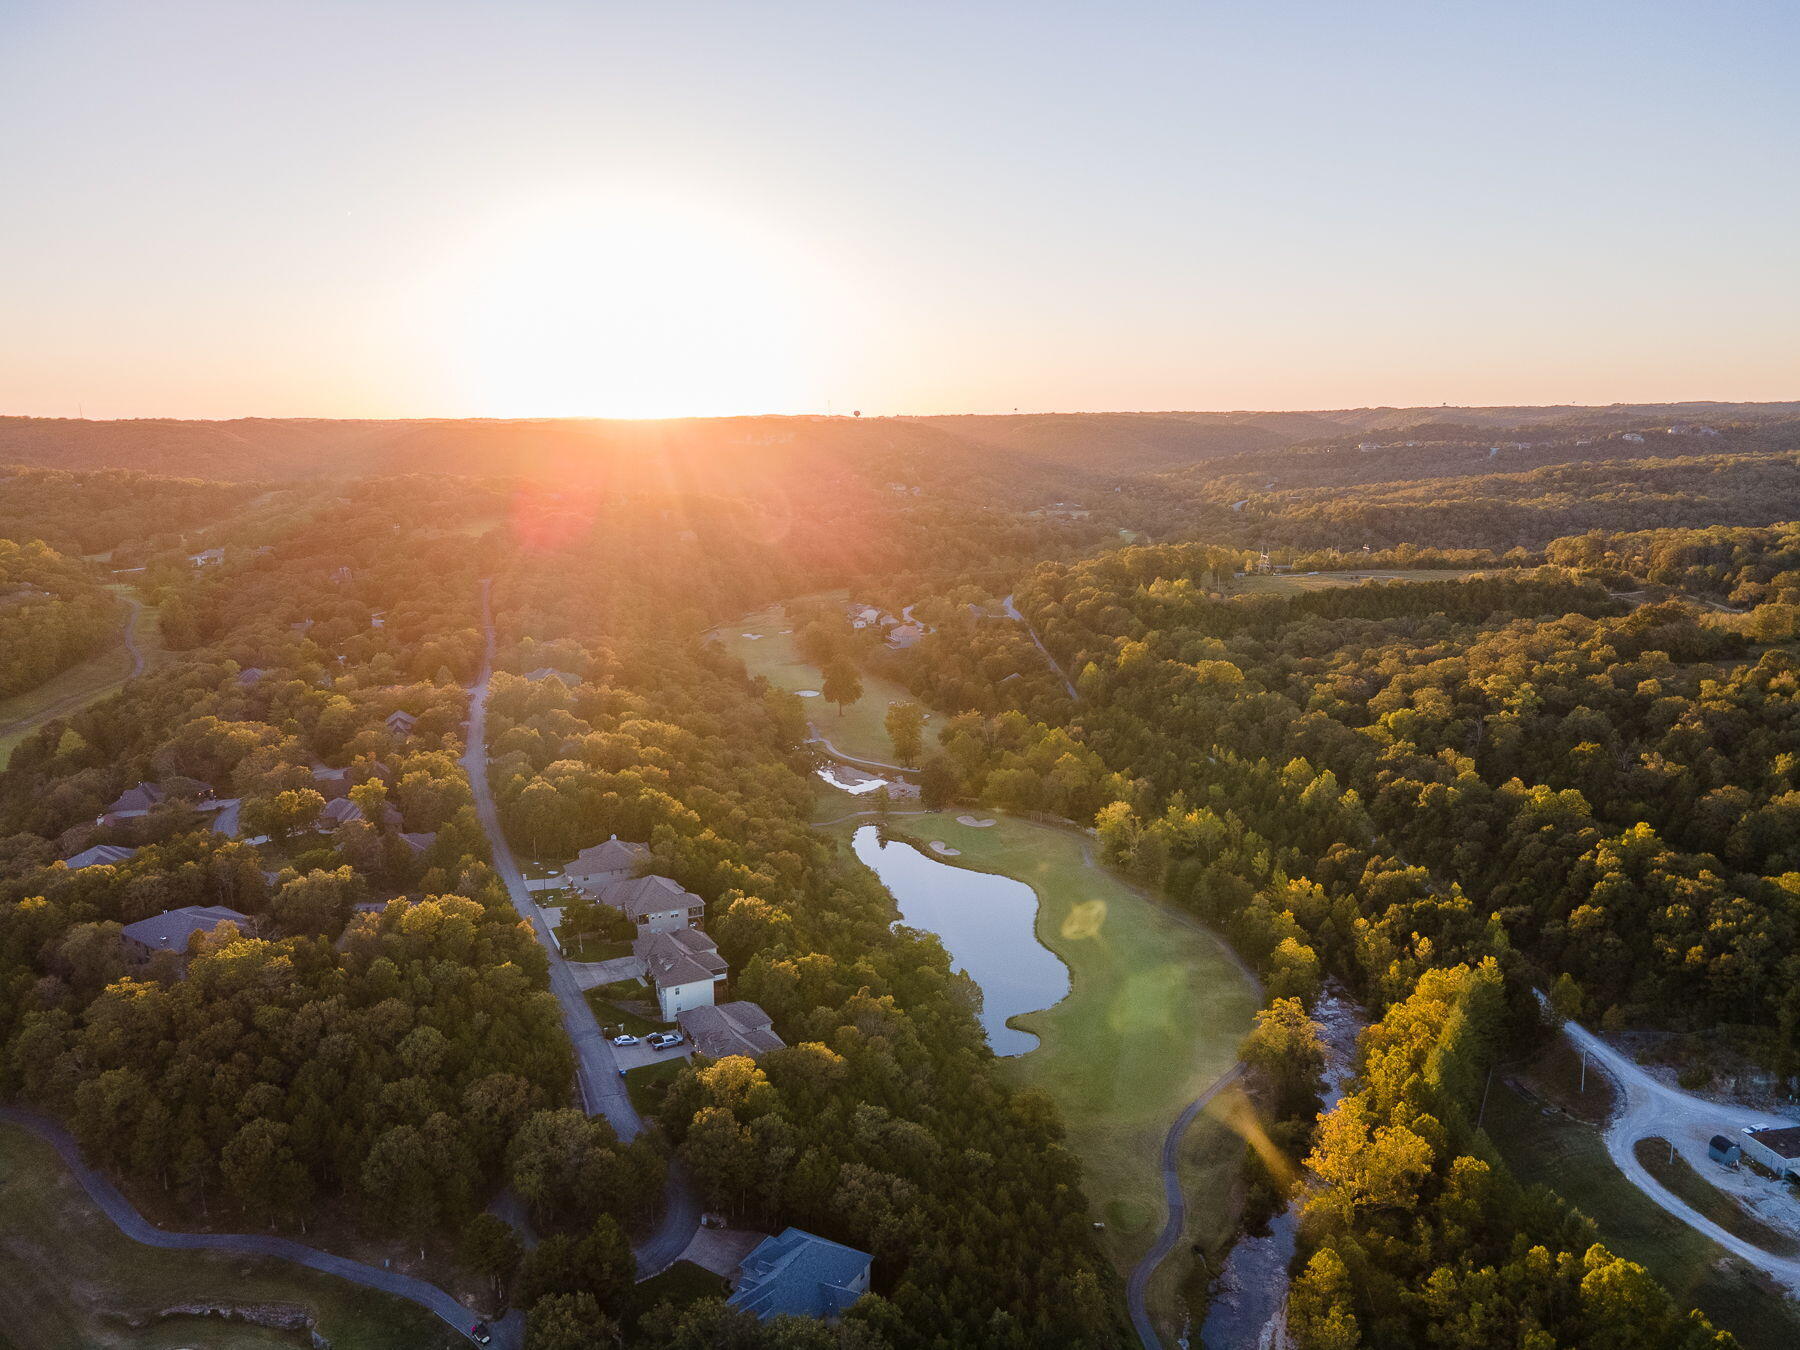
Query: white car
{"type": "Point", "coordinates": [662, 1040]}
{"type": "Point", "coordinates": [626, 1039]}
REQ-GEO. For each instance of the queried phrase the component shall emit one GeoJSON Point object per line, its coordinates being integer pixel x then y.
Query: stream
{"type": "Point", "coordinates": [1252, 1286]}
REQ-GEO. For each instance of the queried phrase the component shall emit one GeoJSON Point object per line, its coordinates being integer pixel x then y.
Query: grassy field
{"type": "Point", "coordinates": [79, 685]}
{"type": "Point", "coordinates": [1155, 1012]}
{"type": "Point", "coordinates": [69, 1280]}
{"type": "Point", "coordinates": [1286, 583]}
{"type": "Point", "coordinates": [860, 731]}
{"type": "Point", "coordinates": [1722, 1208]}
{"type": "Point", "coordinates": [1543, 1144]}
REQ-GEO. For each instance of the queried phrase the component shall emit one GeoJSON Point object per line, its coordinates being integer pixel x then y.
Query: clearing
{"type": "Point", "coordinates": [1156, 1009]}
{"type": "Point", "coordinates": [861, 731]}
{"type": "Point", "coordinates": [1539, 1129]}
{"type": "Point", "coordinates": [1285, 583]}
{"type": "Point", "coordinates": [137, 648]}
{"type": "Point", "coordinates": [72, 1279]}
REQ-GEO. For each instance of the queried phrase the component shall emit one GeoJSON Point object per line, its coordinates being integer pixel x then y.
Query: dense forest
{"type": "Point", "coordinates": [1574, 771]}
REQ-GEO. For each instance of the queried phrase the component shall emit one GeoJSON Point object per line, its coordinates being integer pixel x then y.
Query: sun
{"type": "Point", "coordinates": [639, 308]}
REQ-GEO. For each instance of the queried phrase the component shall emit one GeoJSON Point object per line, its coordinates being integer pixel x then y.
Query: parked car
{"type": "Point", "coordinates": [662, 1040]}
{"type": "Point", "coordinates": [480, 1334]}
{"type": "Point", "coordinates": [627, 1039]}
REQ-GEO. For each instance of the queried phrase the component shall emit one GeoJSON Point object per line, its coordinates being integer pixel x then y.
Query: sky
{"type": "Point", "coordinates": [385, 208]}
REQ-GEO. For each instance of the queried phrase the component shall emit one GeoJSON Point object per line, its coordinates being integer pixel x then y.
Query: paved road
{"type": "Point", "coordinates": [81, 698]}
{"type": "Point", "coordinates": [1012, 612]}
{"type": "Point", "coordinates": [836, 753]}
{"type": "Point", "coordinates": [596, 1069]}
{"type": "Point", "coordinates": [1652, 1109]}
{"type": "Point", "coordinates": [1137, 1287]}
{"type": "Point", "coordinates": [105, 1195]}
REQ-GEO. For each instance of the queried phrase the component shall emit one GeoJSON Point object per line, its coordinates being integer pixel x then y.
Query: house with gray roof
{"type": "Point", "coordinates": [133, 803]}
{"type": "Point", "coordinates": [737, 1028]}
{"type": "Point", "coordinates": [110, 855]}
{"type": "Point", "coordinates": [594, 869]}
{"type": "Point", "coordinates": [800, 1274]}
{"type": "Point", "coordinates": [171, 932]}
{"type": "Point", "coordinates": [655, 904]}
{"type": "Point", "coordinates": [401, 723]}
{"type": "Point", "coordinates": [543, 673]}
{"type": "Point", "coordinates": [683, 966]}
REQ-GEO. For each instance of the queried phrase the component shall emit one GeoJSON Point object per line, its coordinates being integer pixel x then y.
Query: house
{"type": "Point", "coordinates": [1722, 1151]}
{"type": "Point", "coordinates": [800, 1274]}
{"type": "Point", "coordinates": [207, 557]}
{"type": "Point", "coordinates": [341, 811]}
{"type": "Point", "coordinates": [543, 673]}
{"type": "Point", "coordinates": [109, 855]}
{"type": "Point", "coordinates": [250, 676]}
{"type": "Point", "coordinates": [737, 1028]}
{"type": "Point", "coordinates": [865, 617]}
{"type": "Point", "coordinates": [905, 636]}
{"type": "Point", "coordinates": [421, 842]}
{"type": "Point", "coordinates": [171, 932]}
{"type": "Point", "coordinates": [401, 723]}
{"type": "Point", "coordinates": [683, 966]}
{"type": "Point", "coordinates": [615, 859]}
{"type": "Point", "coordinates": [1777, 1149]}
{"type": "Point", "coordinates": [1633, 437]}
{"type": "Point", "coordinates": [654, 904]}
{"type": "Point", "coordinates": [132, 803]}
{"type": "Point", "coordinates": [331, 783]}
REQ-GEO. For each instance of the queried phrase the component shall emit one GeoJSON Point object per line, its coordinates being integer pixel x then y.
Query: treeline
{"type": "Point", "coordinates": [123, 512]}
{"type": "Point", "coordinates": [53, 614]}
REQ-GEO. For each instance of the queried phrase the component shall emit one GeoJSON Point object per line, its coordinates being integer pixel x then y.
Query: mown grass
{"type": "Point", "coordinates": [1286, 583]}
{"type": "Point", "coordinates": [88, 682]}
{"type": "Point", "coordinates": [1678, 1175]}
{"type": "Point", "coordinates": [69, 1280]}
{"type": "Point", "coordinates": [861, 730]}
{"type": "Point", "coordinates": [647, 1085]}
{"type": "Point", "coordinates": [1155, 1012]}
{"type": "Point", "coordinates": [1544, 1145]}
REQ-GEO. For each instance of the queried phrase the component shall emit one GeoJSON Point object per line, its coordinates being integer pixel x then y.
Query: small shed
{"type": "Point", "coordinates": [1723, 1151]}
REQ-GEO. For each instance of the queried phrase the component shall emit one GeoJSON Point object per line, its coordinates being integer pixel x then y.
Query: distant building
{"type": "Point", "coordinates": [100, 855]}
{"type": "Point", "coordinates": [133, 803]}
{"type": "Point", "coordinates": [210, 557]}
{"type": "Point", "coordinates": [401, 723]}
{"type": "Point", "coordinates": [1722, 1151]}
{"type": "Point", "coordinates": [723, 1029]}
{"type": "Point", "coordinates": [342, 810]}
{"type": "Point", "coordinates": [1633, 437]}
{"type": "Point", "coordinates": [654, 904]}
{"type": "Point", "coordinates": [800, 1274]}
{"type": "Point", "coordinates": [543, 673]}
{"type": "Point", "coordinates": [171, 932]}
{"type": "Point", "coordinates": [906, 635]}
{"type": "Point", "coordinates": [1776, 1149]}
{"type": "Point", "coordinates": [251, 675]}
{"type": "Point", "coordinates": [683, 966]}
{"type": "Point", "coordinates": [612, 860]}
{"type": "Point", "coordinates": [420, 842]}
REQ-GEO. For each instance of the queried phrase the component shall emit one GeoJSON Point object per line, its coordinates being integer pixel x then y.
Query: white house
{"type": "Point", "coordinates": [1776, 1149]}
{"type": "Point", "coordinates": [684, 967]}
{"type": "Point", "coordinates": [594, 869]}
{"type": "Point", "coordinates": [655, 904]}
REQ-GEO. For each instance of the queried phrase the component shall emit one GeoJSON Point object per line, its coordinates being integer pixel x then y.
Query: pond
{"type": "Point", "coordinates": [852, 781]}
{"type": "Point", "coordinates": [988, 925]}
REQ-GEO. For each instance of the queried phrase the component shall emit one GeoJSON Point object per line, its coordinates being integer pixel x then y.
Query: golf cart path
{"type": "Point", "coordinates": [1012, 612]}
{"type": "Point", "coordinates": [596, 1069]}
{"type": "Point", "coordinates": [508, 1333]}
{"type": "Point", "coordinates": [1137, 1287]}
{"type": "Point", "coordinates": [81, 698]}
{"type": "Point", "coordinates": [1649, 1108]}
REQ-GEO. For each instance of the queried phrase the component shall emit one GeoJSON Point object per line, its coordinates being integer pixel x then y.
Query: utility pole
{"type": "Point", "coordinates": [1584, 1070]}
{"type": "Point", "coordinates": [1482, 1114]}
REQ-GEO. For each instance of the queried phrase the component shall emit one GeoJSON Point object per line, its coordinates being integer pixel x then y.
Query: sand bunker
{"type": "Point", "coordinates": [975, 823]}
{"type": "Point", "coordinates": [806, 693]}
{"type": "Point", "coordinates": [751, 636]}
{"type": "Point", "coordinates": [939, 846]}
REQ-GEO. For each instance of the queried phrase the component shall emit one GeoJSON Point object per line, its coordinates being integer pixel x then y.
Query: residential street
{"type": "Point", "coordinates": [1651, 1109]}
{"type": "Point", "coordinates": [597, 1070]}
{"type": "Point", "coordinates": [1013, 612]}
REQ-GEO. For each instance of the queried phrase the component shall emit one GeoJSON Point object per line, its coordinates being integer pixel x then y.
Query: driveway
{"type": "Point", "coordinates": [1648, 1109]}
{"type": "Point", "coordinates": [596, 1067]}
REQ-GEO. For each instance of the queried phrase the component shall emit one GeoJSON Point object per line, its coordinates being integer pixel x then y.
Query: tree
{"type": "Point", "coordinates": [843, 684]}
{"type": "Point", "coordinates": [1565, 998]}
{"type": "Point", "coordinates": [938, 784]}
{"type": "Point", "coordinates": [491, 1248]}
{"type": "Point", "coordinates": [906, 728]}
{"type": "Point", "coordinates": [1288, 1048]}
{"type": "Point", "coordinates": [319, 903]}
{"type": "Point", "coordinates": [282, 815]}
{"type": "Point", "coordinates": [570, 1322]}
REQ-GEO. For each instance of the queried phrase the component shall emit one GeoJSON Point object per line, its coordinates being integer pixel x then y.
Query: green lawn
{"type": "Point", "coordinates": [647, 1085]}
{"type": "Point", "coordinates": [72, 1281]}
{"type": "Point", "coordinates": [1569, 1157]}
{"type": "Point", "coordinates": [1155, 1012]}
{"type": "Point", "coordinates": [610, 1014]}
{"type": "Point", "coordinates": [682, 1283]}
{"type": "Point", "coordinates": [592, 948]}
{"type": "Point", "coordinates": [88, 682]}
{"type": "Point", "coordinates": [861, 730]}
